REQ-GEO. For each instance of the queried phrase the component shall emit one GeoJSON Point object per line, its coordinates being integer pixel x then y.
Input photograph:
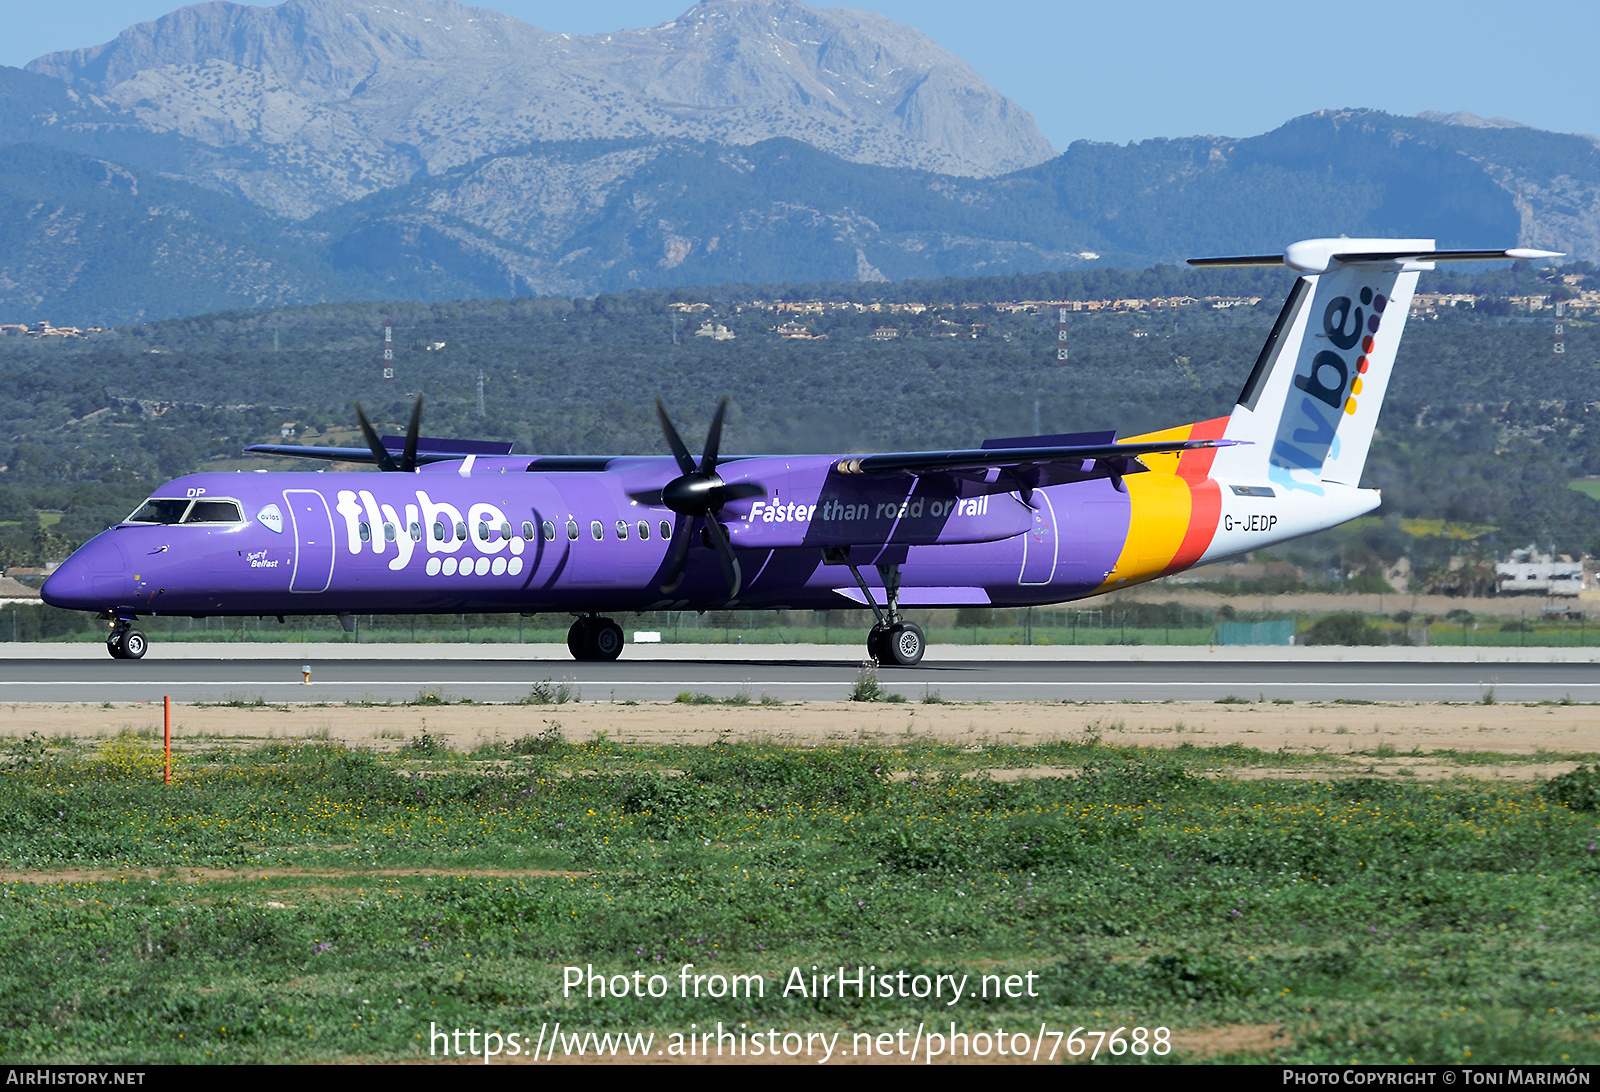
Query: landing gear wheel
{"type": "Point", "coordinates": [904, 644]}
{"type": "Point", "coordinates": [595, 639]}
{"type": "Point", "coordinates": [877, 647]}
{"type": "Point", "coordinates": [114, 646]}
{"type": "Point", "coordinates": [134, 646]}
{"type": "Point", "coordinates": [604, 640]}
{"type": "Point", "coordinates": [577, 638]}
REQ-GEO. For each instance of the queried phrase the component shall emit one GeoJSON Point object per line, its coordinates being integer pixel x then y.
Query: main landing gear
{"type": "Point", "coordinates": [593, 638]}
{"type": "Point", "coordinates": [125, 642]}
{"type": "Point", "coordinates": [893, 642]}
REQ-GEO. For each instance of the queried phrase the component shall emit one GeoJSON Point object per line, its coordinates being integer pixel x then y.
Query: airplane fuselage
{"type": "Point", "coordinates": [493, 536]}
{"type": "Point", "coordinates": [465, 526]}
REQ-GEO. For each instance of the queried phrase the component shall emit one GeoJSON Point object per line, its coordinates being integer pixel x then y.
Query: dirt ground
{"type": "Point", "coordinates": [1393, 739]}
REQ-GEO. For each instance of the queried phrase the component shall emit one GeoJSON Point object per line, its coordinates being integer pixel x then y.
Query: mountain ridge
{"type": "Point", "coordinates": [346, 97]}
{"type": "Point", "coordinates": [346, 149]}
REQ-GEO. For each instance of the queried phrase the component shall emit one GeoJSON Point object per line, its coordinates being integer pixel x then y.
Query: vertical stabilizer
{"type": "Point", "coordinates": [1311, 403]}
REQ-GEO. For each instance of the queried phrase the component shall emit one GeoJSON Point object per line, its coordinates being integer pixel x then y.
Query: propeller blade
{"type": "Point", "coordinates": [380, 453]}
{"type": "Point", "coordinates": [708, 464]}
{"type": "Point", "coordinates": [674, 441]}
{"type": "Point", "coordinates": [677, 555]}
{"type": "Point", "coordinates": [730, 564]}
{"type": "Point", "coordinates": [408, 458]}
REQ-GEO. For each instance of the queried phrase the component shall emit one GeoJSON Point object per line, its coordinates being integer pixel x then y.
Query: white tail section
{"type": "Point", "coordinates": [1311, 404]}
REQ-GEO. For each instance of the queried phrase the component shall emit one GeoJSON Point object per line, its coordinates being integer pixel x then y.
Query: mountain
{"type": "Point", "coordinates": [227, 156]}
{"type": "Point", "coordinates": [341, 98]}
{"type": "Point", "coordinates": [90, 240]}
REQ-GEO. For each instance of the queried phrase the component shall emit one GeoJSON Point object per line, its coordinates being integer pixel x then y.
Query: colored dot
{"type": "Point", "coordinates": [1355, 385]}
{"type": "Point", "coordinates": [1366, 345]}
{"type": "Point", "coordinates": [449, 566]}
{"type": "Point", "coordinates": [1372, 324]}
{"type": "Point", "coordinates": [1350, 406]}
{"type": "Point", "coordinates": [1379, 302]}
{"type": "Point", "coordinates": [1366, 295]}
{"type": "Point", "coordinates": [1361, 365]}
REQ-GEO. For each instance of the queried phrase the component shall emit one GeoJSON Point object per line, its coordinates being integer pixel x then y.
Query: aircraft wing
{"type": "Point", "coordinates": [429, 450]}
{"type": "Point", "coordinates": [1025, 468]}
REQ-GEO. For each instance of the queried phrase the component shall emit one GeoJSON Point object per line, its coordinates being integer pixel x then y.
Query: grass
{"type": "Point", "coordinates": [313, 902]}
{"type": "Point", "coordinates": [1589, 487]}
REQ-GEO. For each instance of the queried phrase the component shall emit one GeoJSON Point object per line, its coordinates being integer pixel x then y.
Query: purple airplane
{"type": "Point", "coordinates": [465, 526]}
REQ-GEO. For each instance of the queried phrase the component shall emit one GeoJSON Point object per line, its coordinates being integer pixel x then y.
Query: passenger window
{"type": "Point", "coordinates": [461, 531]}
{"type": "Point", "coordinates": [527, 531]}
{"type": "Point", "coordinates": [389, 532]}
{"type": "Point", "coordinates": [644, 530]}
{"type": "Point", "coordinates": [364, 531]}
{"type": "Point", "coordinates": [597, 529]}
{"type": "Point", "coordinates": [666, 529]}
{"type": "Point", "coordinates": [572, 529]}
{"type": "Point", "coordinates": [622, 530]}
{"type": "Point", "coordinates": [416, 531]}
{"type": "Point", "coordinates": [549, 530]}
{"type": "Point", "coordinates": [505, 532]}
{"type": "Point", "coordinates": [438, 532]}
{"type": "Point", "coordinates": [483, 531]}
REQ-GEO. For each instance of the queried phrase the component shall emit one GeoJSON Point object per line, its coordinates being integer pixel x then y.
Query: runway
{"type": "Point", "coordinates": [817, 674]}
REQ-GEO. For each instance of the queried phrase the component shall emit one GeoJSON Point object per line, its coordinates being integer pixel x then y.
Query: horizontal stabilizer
{"type": "Point", "coordinates": [1321, 255]}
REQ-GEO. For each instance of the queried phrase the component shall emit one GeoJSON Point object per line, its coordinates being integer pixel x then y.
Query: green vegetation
{"type": "Point", "coordinates": [1344, 629]}
{"type": "Point", "coordinates": [312, 902]}
{"type": "Point", "coordinates": [87, 427]}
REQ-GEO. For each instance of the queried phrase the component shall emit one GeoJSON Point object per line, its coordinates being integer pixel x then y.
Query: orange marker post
{"type": "Point", "coordinates": [166, 736]}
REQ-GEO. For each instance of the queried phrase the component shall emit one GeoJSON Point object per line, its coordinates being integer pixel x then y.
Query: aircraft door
{"type": "Point", "coordinates": [587, 507]}
{"type": "Point", "coordinates": [1093, 528]}
{"type": "Point", "coordinates": [313, 540]}
{"type": "Point", "coordinates": [1041, 544]}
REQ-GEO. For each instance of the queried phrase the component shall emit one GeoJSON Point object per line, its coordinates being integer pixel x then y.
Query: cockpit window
{"type": "Point", "coordinates": [160, 510]}
{"type": "Point", "coordinates": [214, 511]}
{"type": "Point", "coordinates": [166, 510]}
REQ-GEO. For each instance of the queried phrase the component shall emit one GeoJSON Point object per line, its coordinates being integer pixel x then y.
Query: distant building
{"type": "Point", "coordinates": [718, 332]}
{"type": "Point", "coordinates": [1529, 572]}
{"type": "Point", "coordinates": [884, 333]}
{"type": "Point", "coordinates": [794, 331]}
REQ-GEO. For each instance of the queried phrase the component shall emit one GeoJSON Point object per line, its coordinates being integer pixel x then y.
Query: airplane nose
{"type": "Point", "coordinates": [93, 578]}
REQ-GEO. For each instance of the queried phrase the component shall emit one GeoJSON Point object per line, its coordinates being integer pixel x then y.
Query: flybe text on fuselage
{"type": "Point", "coordinates": [440, 526]}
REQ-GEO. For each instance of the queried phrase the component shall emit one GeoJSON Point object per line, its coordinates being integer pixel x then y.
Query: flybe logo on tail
{"type": "Point", "coordinates": [1326, 391]}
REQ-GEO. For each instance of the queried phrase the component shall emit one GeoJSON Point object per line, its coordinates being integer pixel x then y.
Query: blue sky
{"type": "Point", "coordinates": [1095, 71]}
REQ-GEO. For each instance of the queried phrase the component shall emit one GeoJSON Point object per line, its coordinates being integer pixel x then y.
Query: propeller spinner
{"type": "Point", "coordinates": [698, 495]}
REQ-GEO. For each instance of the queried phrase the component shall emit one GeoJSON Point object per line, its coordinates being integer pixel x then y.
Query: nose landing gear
{"type": "Point", "coordinates": [125, 642]}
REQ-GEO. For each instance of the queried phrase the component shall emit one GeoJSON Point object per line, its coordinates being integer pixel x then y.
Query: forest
{"type": "Point", "coordinates": [1483, 434]}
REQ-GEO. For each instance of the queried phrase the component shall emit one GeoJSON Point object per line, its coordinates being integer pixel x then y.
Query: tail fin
{"type": "Point", "coordinates": [1311, 403]}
